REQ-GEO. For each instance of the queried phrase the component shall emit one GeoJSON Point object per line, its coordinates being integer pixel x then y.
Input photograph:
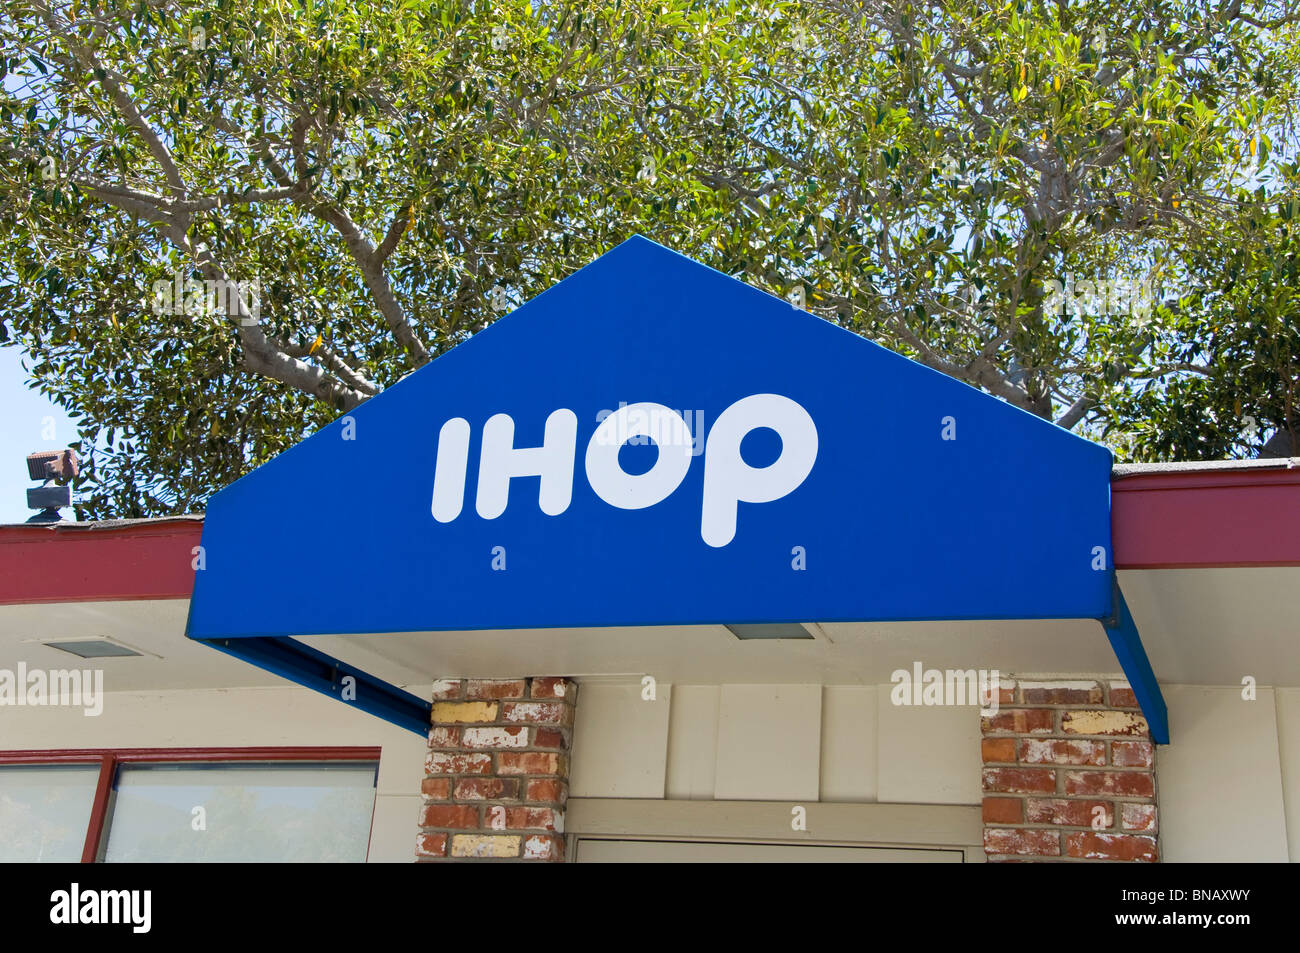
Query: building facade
{"type": "Point", "coordinates": [844, 609]}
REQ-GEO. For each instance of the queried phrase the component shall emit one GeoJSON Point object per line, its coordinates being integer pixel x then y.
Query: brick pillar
{"type": "Point", "coordinates": [1069, 774]}
{"type": "Point", "coordinates": [497, 770]}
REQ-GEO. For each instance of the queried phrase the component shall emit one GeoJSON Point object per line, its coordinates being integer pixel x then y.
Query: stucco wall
{"type": "Point", "coordinates": [1219, 781]}
{"type": "Point", "coordinates": [772, 742]}
{"type": "Point", "coordinates": [1229, 785]}
{"type": "Point", "coordinates": [243, 717]}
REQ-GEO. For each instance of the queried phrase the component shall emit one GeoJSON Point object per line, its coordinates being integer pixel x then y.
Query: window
{"type": "Point", "coordinates": [44, 810]}
{"type": "Point", "coordinates": [197, 805]}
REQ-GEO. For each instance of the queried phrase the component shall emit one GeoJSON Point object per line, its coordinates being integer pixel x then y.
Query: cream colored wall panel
{"type": "Point", "coordinates": [392, 835]}
{"type": "Point", "coordinates": [911, 825]}
{"type": "Point", "coordinates": [591, 850]}
{"type": "Point", "coordinates": [212, 718]}
{"type": "Point", "coordinates": [927, 754]}
{"type": "Point", "coordinates": [1288, 743]}
{"type": "Point", "coordinates": [848, 759]}
{"type": "Point", "coordinates": [769, 742]}
{"type": "Point", "coordinates": [692, 741]}
{"type": "Point", "coordinates": [620, 741]}
{"type": "Point", "coordinates": [1219, 783]}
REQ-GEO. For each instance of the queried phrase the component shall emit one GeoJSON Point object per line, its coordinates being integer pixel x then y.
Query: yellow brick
{"type": "Point", "coordinates": [485, 845]}
{"type": "Point", "coordinates": [1090, 722]}
{"type": "Point", "coordinates": [446, 712]}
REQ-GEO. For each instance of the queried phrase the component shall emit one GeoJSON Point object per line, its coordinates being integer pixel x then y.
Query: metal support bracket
{"type": "Point", "coordinates": [1127, 645]}
{"type": "Point", "coordinates": [304, 665]}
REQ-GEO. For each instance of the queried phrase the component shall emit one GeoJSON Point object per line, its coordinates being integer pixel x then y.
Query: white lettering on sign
{"type": "Point", "coordinates": [615, 485]}
{"type": "Point", "coordinates": [449, 471]}
{"type": "Point", "coordinates": [728, 479]}
{"type": "Point", "coordinates": [500, 462]}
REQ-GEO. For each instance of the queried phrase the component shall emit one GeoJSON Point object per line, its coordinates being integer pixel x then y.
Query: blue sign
{"type": "Point", "coordinates": [652, 442]}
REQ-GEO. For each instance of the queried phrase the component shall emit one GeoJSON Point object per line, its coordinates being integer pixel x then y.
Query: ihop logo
{"type": "Point", "coordinates": [728, 479]}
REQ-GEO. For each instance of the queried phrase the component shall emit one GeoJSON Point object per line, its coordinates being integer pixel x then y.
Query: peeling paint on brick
{"type": "Point", "coordinates": [491, 741]}
{"type": "Point", "coordinates": [1069, 778]}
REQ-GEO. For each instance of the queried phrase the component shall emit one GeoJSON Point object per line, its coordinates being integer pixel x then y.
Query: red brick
{"type": "Point", "coordinates": [1020, 780]}
{"type": "Point", "coordinates": [1068, 813]}
{"type": "Point", "coordinates": [446, 689]}
{"type": "Point", "coordinates": [1122, 698]}
{"type": "Point", "coordinates": [530, 762]}
{"type": "Point", "coordinates": [496, 736]}
{"type": "Point", "coordinates": [1027, 842]}
{"type": "Point", "coordinates": [1121, 783]}
{"type": "Point", "coordinates": [436, 787]}
{"type": "Point", "coordinates": [549, 738]}
{"type": "Point", "coordinates": [534, 818]}
{"type": "Point", "coordinates": [431, 845]}
{"type": "Point", "coordinates": [1037, 751]}
{"type": "Point", "coordinates": [1110, 846]}
{"type": "Point", "coordinates": [439, 762]}
{"type": "Point", "coordinates": [1132, 754]}
{"type": "Point", "coordinates": [1060, 695]}
{"type": "Point", "coordinates": [998, 749]}
{"type": "Point", "coordinates": [546, 790]}
{"type": "Point", "coordinates": [1004, 810]}
{"type": "Point", "coordinates": [548, 687]}
{"type": "Point", "coordinates": [544, 847]}
{"type": "Point", "coordinates": [482, 789]}
{"type": "Point", "coordinates": [460, 816]}
{"type": "Point", "coordinates": [482, 688]}
{"type": "Point", "coordinates": [1138, 817]}
{"type": "Point", "coordinates": [537, 713]}
{"type": "Point", "coordinates": [1021, 721]}
{"type": "Point", "coordinates": [441, 736]}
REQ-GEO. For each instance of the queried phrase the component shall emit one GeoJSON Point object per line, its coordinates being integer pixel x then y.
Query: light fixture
{"type": "Point", "coordinates": [769, 630]}
{"type": "Point", "coordinates": [56, 468]}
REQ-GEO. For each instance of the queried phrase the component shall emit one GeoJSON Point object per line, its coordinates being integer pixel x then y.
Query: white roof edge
{"type": "Point", "coordinates": [1137, 469]}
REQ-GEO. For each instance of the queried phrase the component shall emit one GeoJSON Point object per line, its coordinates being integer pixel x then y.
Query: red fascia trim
{"type": "Point", "coordinates": [143, 755]}
{"type": "Point", "coordinates": [1206, 519]}
{"type": "Point", "coordinates": [99, 810]}
{"type": "Point", "coordinates": [65, 564]}
{"type": "Point", "coordinates": [1163, 520]}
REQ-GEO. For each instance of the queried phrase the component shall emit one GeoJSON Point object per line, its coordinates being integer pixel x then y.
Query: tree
{"type": "Point", "coordinates": [1243, 317]}
{"type": "Point", "coordinates": [1017, 195]}
{"type": "Point", "coordinates": [198, 198]}
{"type": "Point", "coordinates": [1003, 191]}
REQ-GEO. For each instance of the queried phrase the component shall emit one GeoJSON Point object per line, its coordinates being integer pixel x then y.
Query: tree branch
{"type": "Point", "coordinates": [112, 81]}
{"type": "Point", "coordinates": [359, 247]}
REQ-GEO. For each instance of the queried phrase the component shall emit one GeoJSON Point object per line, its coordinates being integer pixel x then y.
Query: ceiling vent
{"type": "Point", "coordinates": [768, 630]}
{"type": "Point", "coordinates": [93, 648]}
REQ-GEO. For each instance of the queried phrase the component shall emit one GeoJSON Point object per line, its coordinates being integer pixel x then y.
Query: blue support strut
{"type": "Point", "coordinates": [1127, 645]}
{"type": "Point", "coordinates": [300, 663]}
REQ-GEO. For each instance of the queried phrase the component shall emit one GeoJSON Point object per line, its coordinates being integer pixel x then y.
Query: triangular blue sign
{"type": "Point", "coordinates": [653, 442]}
{"type": "Point", "coordinates": [806, 474]}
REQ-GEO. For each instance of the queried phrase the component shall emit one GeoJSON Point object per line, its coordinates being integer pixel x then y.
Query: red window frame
{"type": "Point", "coordinates": [109, 759]}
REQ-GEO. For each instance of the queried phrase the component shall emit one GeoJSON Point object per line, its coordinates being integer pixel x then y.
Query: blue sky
{"type": "Point", "coordinates": [27, 421]}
